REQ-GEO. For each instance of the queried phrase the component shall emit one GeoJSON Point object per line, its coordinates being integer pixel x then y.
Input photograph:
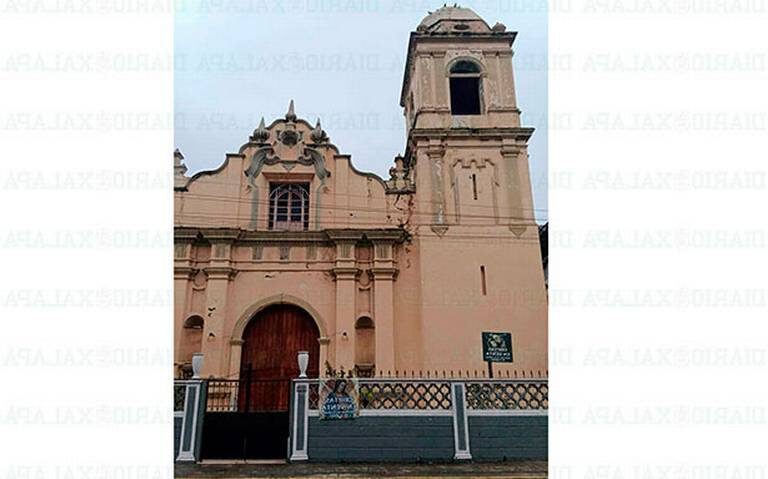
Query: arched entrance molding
{"type": "Point", "coordinates": [236, 341]}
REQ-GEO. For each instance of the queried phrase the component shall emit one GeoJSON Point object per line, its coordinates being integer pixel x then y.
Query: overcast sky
{"type": "Point", "coordinates": [342, 61]}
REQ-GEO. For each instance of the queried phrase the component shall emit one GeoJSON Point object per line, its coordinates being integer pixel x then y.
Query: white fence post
{"type": "Point", "coordinates": [190, 427]}
{"type": "Point", "coordinates": [460, 427]}
{"type": "Point", "coordinates": [300, 424]}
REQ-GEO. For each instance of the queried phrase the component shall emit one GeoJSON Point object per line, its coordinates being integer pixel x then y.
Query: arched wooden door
{"type": "Point", "coordinates": [271, 342]}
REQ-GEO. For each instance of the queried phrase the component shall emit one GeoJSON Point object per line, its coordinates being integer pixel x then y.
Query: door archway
{"type": "Point", "coordinates": [271, 342]}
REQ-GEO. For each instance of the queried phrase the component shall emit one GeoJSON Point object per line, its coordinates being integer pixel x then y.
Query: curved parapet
{"type": "Point", "coordinates": [239, 193]}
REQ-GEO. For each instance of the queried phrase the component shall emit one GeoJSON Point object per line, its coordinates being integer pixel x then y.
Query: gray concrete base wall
{"type": "Point", "coordinates": [425, 438]}
{"type": "Point", "coordinates": [493, 438]}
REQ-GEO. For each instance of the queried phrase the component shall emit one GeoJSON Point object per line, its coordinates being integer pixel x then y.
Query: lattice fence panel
{"type": "Point", "coordinates": [405, 395]}
{"type": "Point", "coordinates": [179, 392]}
{"type": "Point", "coordinates": [516, 395]}
{"type": "Point", "coordinates": [314, 395]}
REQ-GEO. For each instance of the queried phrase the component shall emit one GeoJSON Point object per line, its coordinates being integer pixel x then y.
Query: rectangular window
{"type": "Point", "coordinates": [474, 185]}
{"type": "Point", "coordinates": [289, 206]}
{"type": "Point", "coordinates": [483, 287]}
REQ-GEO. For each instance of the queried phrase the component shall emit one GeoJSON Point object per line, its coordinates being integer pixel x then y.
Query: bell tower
{"type": "Point", "coordinates": [459, 72]}
{"type": "Point", "coordinates": [465, 142]}
{"type": "Point", "coordinates": [475, 238]}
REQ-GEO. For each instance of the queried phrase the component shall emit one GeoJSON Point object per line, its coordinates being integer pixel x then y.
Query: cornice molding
{"type": "Point", "coordinates": [218, 272]}
{"type": "Point", "coordinates": [386, 236]}
{"type": "Point", "coordinates": [182, 272]}
{"type": "Point", "coordinates": [520, 134]}
{"type": "Point", "coordinates": [186, 234]}
{"type": "Point", "coordinates": [384, 274]}
{"type": "Point", "coordinates": [348, 273]}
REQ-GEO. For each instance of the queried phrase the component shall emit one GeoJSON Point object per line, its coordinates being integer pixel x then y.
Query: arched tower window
{"type": "Point", "coordinates": [289, 206]}
{"type": "Point", "coordinates": [465, 88]}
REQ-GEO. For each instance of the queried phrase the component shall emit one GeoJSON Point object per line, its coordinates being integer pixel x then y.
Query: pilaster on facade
{"type": "Point", "coordinates": [510, 152]}
{"type": "Point", "coordinates": [220, 265]}
{"type": "Point", "coordinates": [325, 353]}
{"type": "Point", "coordinates": [345, 266]}
{"type": "Point", "coordinates": [383, 249]}
{"type": "Point", "coordinates": [182, 259]}
{"type": "Point", "coordinates": [235, 354]}
{"type": "Point", "coordinates": [345, 272]}
{"type": "Point", "coordinates": [220, 273]}
{"type": "Point", "coordinates": [345, 320]}
{"type": "Point", "coordinates": [435, 152]}
{"type": "Point", "coordinates": [384, 271]}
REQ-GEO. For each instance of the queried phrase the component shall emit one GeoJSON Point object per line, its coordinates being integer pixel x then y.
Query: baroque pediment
{"type": "Point", "coordinates": [288, 142]}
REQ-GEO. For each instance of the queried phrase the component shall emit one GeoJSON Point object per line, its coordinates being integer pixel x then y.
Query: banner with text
{"type": "Point", "coordinates": [339, 398]}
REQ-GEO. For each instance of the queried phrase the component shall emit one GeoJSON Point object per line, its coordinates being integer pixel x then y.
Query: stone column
{"type": "Point", "coordinates": [215, 344]}
{"type": "Point", "coordinates": [384, 273]}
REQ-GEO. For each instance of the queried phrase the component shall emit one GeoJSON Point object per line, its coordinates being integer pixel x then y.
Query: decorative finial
{"type": "Point", "coordinates": [289, 136]}
{"type": "Point", "coordinates": [260, 134]}
{"type": "Point", "coordinates": [318, 135]}
{"type": "Point", "coordinates": [179, 170]}
{"type": "Point", "coordinates": [499, 27]}
{"type": "Point", "coordinates": [291, 115]}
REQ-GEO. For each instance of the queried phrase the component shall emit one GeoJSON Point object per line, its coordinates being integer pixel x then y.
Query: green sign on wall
{"type": "Point", "coordinates": [497, 347]}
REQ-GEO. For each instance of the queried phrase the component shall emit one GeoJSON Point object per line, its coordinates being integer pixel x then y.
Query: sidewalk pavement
{"type": "Point", "coordinates": [477, 470]}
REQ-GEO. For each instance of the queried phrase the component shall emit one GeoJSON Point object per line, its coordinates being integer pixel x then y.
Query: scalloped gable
{"type": "Point", "coordinates": [290, 149]}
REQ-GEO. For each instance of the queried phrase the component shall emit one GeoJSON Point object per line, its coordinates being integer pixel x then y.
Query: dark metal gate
{"type": "Point", "coordinates": [246, 419]}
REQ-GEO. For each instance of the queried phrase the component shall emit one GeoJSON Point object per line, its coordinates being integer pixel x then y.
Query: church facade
{"type": "Point", "coordinates": [287, 247]}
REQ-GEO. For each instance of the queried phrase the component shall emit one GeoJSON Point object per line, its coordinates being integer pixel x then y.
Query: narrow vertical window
{"type": "Point", "coordinates": [483, 287]}
{"type": "Point", "coordinates": [474, 185]}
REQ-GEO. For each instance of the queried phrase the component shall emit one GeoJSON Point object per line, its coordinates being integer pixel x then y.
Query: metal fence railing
{"type": "Point", "coordinates": [243, 395]}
